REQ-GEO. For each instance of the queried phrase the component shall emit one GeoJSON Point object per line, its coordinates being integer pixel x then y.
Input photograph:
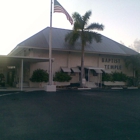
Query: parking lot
{"type": "Point", "coordinates": [70, 115]}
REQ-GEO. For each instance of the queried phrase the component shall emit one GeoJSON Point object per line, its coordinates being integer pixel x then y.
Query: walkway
{"type": "Point", "coordinates": [18, 89]}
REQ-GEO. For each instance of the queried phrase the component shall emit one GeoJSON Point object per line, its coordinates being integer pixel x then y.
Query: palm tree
{"type": "Point", "coordinates": [82, 30]}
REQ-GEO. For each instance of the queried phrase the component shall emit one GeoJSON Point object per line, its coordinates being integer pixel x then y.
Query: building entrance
{"type": "Point", "coordinates": [11, 73]}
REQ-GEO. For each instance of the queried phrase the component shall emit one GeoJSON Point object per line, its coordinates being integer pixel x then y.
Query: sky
{"type": "Point", "coordinates": [20, 19]}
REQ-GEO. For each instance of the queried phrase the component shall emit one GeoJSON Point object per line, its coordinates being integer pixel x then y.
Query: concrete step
{"type": "Point", "coordinates": [25, 84]}
{"type": "Point", "coordinates": [91, 85]}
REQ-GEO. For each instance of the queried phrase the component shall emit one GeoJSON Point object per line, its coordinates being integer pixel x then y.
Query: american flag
{"type": "Point", "coordinates": [59, 9]}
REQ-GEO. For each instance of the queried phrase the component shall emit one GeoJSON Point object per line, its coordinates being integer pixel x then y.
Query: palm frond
{"type": "Point", "coordinates": [78, 21]}
{"type": "Point", "coordinates": [77, 17]}
{"type": "Point", "coordinates": [95, 26]}
{"type": "Point", "coordinates": [77, 26]}
{"type": "Point", "coordinates": [86, 18]}
{"type": "Point", "coordinates": [89, 36]}
{"type": "Point", "coordinates": [72, 37]}
{"type": "Point", "coordinates": [96, 36]}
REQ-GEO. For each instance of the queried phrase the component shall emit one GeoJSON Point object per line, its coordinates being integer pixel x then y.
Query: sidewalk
{"type": "Point", "coordinates": [18, 89]}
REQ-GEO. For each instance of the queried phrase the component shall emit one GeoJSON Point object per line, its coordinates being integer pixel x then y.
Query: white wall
{"type": "Point", "coordinates": [114, 63]}
{"type": "Point", "coordinates": [73, 59]}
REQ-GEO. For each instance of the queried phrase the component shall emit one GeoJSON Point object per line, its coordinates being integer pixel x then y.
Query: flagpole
{"type": "Point", "coordinates": [50, 47]}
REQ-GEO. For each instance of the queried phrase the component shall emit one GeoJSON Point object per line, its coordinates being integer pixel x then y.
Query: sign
{"type": "Point", "coordinates": [112, 63]}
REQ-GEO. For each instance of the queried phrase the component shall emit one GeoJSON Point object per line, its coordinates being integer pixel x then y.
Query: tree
{"type": "Point", "coordinates": [82, 30]}
{"type": "Point", "coordinates": [133, 62]}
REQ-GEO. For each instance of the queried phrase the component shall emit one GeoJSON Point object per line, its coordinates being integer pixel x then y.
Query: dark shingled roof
{"type": "Point", "coordinates": [41, 41]}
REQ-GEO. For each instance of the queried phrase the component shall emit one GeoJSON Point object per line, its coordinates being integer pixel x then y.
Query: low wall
{"type": "Point", "coordinates": [61, 83]}
{"type": "Point", "coordinates": [115, 83]}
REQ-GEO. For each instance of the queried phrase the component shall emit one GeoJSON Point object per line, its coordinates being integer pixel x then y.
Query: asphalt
{"type": "Point", "coordinates": [70, 115]}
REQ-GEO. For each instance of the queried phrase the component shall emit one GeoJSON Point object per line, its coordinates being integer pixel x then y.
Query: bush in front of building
{"type": "Point", "coordinates": [39, 75]}
{"type": "Point", "coordinates": [106, 77]}
{"type": "Point", "coordinates": [132, 81]}
{"type": "Point", "coordinates": [114, 76]}
{"type": "Point", "coordinates": [119, 76]}
{"type": "Point", "coordinates": [61, 77]}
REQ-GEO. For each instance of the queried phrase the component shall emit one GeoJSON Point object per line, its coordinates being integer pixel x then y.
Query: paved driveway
{"type": "Point", "coordinates": [70, 115]}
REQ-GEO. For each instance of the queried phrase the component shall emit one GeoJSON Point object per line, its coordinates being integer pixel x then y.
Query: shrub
{"type": "Point", "coordinates": [131, 81]}
{"type": "Point", "coordinates": [115, 76]}
{"type": "Point", "coordinates": [39, 75]}
{"type": "Point", "coordinates": [61, 77]}
{"type": "Point", "coordinates": [119, 76]}
{"type": "Point", "coordinates": [106, 77]}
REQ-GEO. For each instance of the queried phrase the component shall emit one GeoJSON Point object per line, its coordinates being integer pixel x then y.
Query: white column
{"type": "Point", "coordinates": [21, 81]}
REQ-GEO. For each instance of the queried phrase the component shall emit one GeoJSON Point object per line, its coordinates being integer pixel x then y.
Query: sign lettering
{"type": "Point", "coordinates": [112, 63]}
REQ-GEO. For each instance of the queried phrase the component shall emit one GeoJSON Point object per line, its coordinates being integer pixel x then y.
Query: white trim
{"type": "Point", "coordinates": [62, 49]}
{"type": "Point", "coordinates": [40, 59]}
